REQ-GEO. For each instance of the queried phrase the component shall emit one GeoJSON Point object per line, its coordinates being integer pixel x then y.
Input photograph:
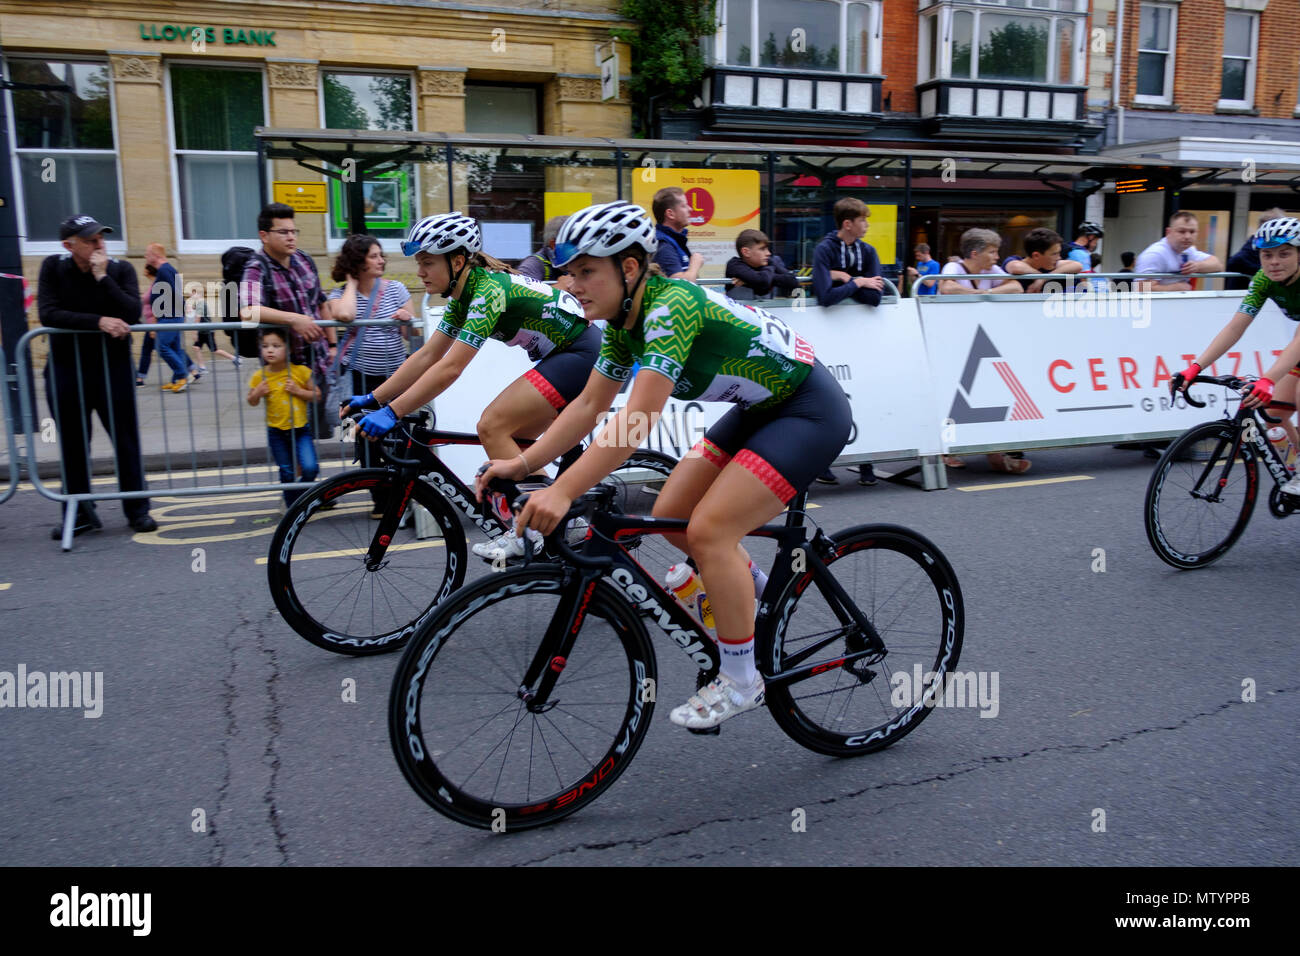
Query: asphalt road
{"type": "Point", "coordinates": [1120, 691]}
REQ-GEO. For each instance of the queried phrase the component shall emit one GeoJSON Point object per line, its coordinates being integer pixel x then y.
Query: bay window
{"type": "Point", "coordinates": [836, 36]}
{"type": "Point", "coordinates": [1028, 41]}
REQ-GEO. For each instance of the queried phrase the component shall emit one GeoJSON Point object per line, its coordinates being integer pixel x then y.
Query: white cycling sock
{"type": "Point", "coordinates": [738, 661]}
{"type": "Point", "coordinates": [760, 579]}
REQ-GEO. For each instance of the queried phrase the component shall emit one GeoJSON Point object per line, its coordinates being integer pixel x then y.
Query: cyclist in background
{"type": "Point", "coordinates": [1278, 242]}
{"type": "Point", "coordinates": [486, 299]}
{"type": "Point", "coordinates": [790, 421]}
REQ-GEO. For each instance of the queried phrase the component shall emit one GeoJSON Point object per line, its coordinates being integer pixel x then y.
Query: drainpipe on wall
{"type": "Point", "coordinates": [1116, 73]}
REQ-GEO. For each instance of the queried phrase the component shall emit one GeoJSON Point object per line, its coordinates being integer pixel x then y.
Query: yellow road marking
{"type": "Point", "coordinates": [357, 552]}
{"type": "Point", "coordinates": [1024, 484]}
{"type": "Point", "coordinates": [5, 587]}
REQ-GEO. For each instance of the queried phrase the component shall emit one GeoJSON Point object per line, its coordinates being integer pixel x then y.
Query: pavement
{"type": "Point", "coordinates": [1146, 716]}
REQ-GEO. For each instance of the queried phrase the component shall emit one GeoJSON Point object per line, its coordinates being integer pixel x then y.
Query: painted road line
{"type": "Point", "coordinates": [5, 587]}
{"type": "Point", "coordinates": [1024, 484]}
{"type": "Point", "coordinates": [358, 552]}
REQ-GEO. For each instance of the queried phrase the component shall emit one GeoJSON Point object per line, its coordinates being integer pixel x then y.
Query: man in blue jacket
{"type": "Point", "coordinates": [845, 267]}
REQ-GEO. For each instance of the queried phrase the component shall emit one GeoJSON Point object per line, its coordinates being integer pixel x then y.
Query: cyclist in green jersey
{"type": "Point", "coordinates": [1278, 242]}
{"type": "Point", "coordinates": [486, 299]}
{"type": "Point", "coordinates": [790, 420]}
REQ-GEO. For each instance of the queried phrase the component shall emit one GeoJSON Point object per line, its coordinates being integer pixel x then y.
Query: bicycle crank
{"type": "Point", "coordinates": [1281, 505]}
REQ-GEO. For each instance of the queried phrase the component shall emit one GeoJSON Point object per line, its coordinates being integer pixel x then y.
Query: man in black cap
{"type": "Point", "coordinates": [85, 289]}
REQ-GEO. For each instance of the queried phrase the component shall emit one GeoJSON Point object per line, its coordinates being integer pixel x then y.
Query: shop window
{"type": "Point", "coordinates": [65, 156]}
{"type": "Point", "coordinates": [214, 111]}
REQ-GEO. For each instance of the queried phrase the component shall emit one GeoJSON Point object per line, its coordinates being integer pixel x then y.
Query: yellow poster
{"type": "Point", "coordinates": [564, 204]}
{"type": "Point", "coordinates": [882, 232]}
{"type": "Point", "coordinates": [303, 197]}
{"type": "Point", "coordinates": [723, 202]}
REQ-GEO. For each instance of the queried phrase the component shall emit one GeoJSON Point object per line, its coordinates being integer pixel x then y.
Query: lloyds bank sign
{"type": "Point", "coordinates": [230, 36]}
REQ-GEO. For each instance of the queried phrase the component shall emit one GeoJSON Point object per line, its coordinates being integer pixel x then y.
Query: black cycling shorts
{"type": "Point", "coordinates": [563, 374]}
{"type": "Point", "coordinates": [790, 444]}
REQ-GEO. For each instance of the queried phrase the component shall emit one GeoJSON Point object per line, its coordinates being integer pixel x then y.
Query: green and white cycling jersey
{"type": "Point", "coordinates": [1262, 288]}
{"type": "Point", "coordinates": [712, 348]}
{"type": "Point", "coordinates": [513, 309]}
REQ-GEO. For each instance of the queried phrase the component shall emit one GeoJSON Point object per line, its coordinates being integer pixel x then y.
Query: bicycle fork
{"type": "Point", "coordinates": [392, 517]}
{"type": "Point", "coordinates": [553, 652]}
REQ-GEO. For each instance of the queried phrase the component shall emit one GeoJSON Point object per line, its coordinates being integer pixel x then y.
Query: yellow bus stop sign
{"type": "Point", "coordinates": [303, 197]}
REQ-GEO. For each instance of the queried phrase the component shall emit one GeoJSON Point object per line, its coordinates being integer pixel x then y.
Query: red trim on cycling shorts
{"type": "Point", "coordinates": [711, 452]}
{"type": "Point", "coordinates": [765, 473]}
{"type": "Point", "coordinates": [539, 382]}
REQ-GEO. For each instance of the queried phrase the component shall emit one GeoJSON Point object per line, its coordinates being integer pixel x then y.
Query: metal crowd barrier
{"type": "Point", "coordinates": [222, 450]}
{"type": "Point", "coordinates": [8, 380]}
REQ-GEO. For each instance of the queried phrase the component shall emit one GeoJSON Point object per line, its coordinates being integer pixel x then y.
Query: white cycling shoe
{"type": "Point", "coordinates": [508, 546]}
{"type": "Point", "coordinates": [716, 702]}
{"type": "Point", "coordinates": [1292, 487]}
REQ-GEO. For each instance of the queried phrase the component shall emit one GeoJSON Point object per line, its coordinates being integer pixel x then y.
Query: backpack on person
{"type": "Point", "coordinates": [233, 262]}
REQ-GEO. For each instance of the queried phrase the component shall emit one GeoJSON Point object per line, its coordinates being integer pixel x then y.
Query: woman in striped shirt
{"type": "Point", "coordinates": [371, 353]}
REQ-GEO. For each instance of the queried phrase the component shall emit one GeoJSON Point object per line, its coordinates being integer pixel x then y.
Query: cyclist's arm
{"type": "Point", "coordinates": [416, 364]}
{"type": "Point", "coordinates": [435, 381]}
{"type": "Point", "coordinates": [622, 434]}
{"type": "Point", "coordinates": [1225, 340]}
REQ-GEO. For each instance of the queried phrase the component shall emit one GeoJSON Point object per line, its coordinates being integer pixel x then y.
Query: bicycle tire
{"type": "Point", "coordinates": [478, 644]}
{"type": "Point", "coordinates": [1188, 532]}
{"type": "Point", "coordinates": [873, 563]}
{"type": "Point", "coordinates": [315, 565]}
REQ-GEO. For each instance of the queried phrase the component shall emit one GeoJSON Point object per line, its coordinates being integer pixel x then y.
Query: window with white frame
{"type": "Point", "coordinates": [1240, 39]}
{"type": "Point", "coordinates": [378, 101]}
{"type": "Point", "coordinates": [64, 147]}
{"type": "Point", "coordinates": [1157, 31]}
{"type": "Point", "coordinates": [1032, 41]}
{"type": "Point", "coordinates": [214, 110]}
{"type": "Point", "coordinates": [836, 36]}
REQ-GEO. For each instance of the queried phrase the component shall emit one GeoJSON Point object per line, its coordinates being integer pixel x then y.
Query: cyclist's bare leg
{"type": "Point", "coordinates": [689, 482]}
{"type": "Point", "coordinates": [1286, 391]}
{"type": "Point", "coordinates": [520, 411]}
{"type": "Point", "coordinates": [736, 503]}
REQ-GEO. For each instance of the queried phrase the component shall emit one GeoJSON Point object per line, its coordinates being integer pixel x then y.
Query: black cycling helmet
{"type": "Point", "coordinates": [1089, 228]}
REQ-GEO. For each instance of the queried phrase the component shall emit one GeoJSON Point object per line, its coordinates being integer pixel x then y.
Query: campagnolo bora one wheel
{"type": "Point", "coordinates": [1185, 528]}
{"type": "Point", "coordinates": [318, 572]}
{"type": "Point", "coordinates": [908, 590]}
{"type": "Point", "coordinates": [466, 739]}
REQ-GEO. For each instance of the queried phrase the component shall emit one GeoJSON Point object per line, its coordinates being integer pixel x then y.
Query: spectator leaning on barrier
{"type": "Point", "coordinates": [289, 295]}
{"type": "Point", "coordinates": [979, 256]}
{"type": "Point", "coordinates": [756, 267]}
{"type": "Point", "coordinates": [844, 267]}
{"type": "Point", "coordinates": [925, 266]}
{"type": "Point", "coordinates": [1246, 259]}
{"type": "Point", "coordinates": [85, 289]}
{"type": "Point", "coordinates": [1042, 255]}
{"type": "Point", "coordinates": [1176, 252]}
{"type": "Point", "coordinates": [539, 265]}
{"type": "Point", "coordinates": [673, 214]}
{"type": "Point", "coordinates": [167, 303]}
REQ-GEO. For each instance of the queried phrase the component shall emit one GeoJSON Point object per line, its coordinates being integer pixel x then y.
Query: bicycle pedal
{"type": "Point", "coordinates": [705, 731]}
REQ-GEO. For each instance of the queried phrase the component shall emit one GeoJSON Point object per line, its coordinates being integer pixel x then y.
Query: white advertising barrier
{"type": "Point", "coordinates": [1035, 371]}
{"type": "Point", "coordinates": [876, 354]}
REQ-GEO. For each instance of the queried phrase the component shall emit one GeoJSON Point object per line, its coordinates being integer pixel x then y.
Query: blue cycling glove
{"type": "Point", "coordinates": [380, 423]}
{"type": "Point", "coordinates": [361, 403]}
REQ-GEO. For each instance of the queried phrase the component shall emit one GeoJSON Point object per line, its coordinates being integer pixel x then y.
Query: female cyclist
{"type": "Point", "coordinates": [1278, 242]}
{"type": "Point", "coordinates": [790, 421]}
{"type": "Point", "coordinates": [486, 299]}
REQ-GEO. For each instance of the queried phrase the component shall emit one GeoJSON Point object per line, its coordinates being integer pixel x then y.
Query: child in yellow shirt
{"type": "Point", "coordinates": [287, 392]}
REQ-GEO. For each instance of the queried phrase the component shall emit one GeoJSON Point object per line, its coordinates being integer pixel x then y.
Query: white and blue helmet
{"type": "Point", "coordinates": [1277, 232]}
{"type": "Point", "coordinates": [448, 232]}
{"type": "Point", "coordinates": [605, 230]}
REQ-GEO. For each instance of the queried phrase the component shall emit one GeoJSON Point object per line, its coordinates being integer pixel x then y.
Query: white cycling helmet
{"type": "Point", "coordinates": [604, 230]}
{"type": "Point", "coordinates": [1277, 232]}
{"type": "Point", "coordinates": [449, 232]}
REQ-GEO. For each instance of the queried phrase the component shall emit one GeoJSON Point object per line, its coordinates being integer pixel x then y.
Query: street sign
{"type": "Point", "coordinates": [609, 78]}
{"type": "Point", "coordinates": [303, 197]}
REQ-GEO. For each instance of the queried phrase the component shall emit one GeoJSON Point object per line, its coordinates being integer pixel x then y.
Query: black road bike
{"type": "Point", "coordinates": [1203, 490]}
{"type": "Point", "coordinates": [526, 694]}
{"type": "Point", "coordinates": [361, 559]}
